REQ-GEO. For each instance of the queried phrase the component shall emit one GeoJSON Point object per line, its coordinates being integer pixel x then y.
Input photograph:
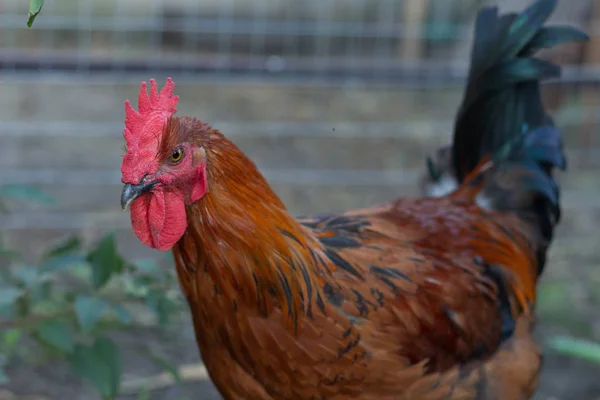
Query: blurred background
{"type": "Point", "coordinates": [338, 102]}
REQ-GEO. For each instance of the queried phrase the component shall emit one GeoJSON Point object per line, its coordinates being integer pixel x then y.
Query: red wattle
{"type": "Point", "coordinates": [149, 219]}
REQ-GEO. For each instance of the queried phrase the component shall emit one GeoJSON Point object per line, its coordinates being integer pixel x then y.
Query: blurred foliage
{"type": "Point", "coordinates": [35, 6]}
{"type": "Point", "coordinates": [555, 305]}
{"type": "Point", "coordinates": [66, 306]}
{"type": "Point", "coordinates": [579, 348]}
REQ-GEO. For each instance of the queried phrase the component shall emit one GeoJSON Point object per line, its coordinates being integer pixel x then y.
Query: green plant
{"type": "Point", "coordinates": [578, 348]}
{"type": "Point", "coordinates": [35, 6]}
{"type": "Point", "coordinates": [66, 306]}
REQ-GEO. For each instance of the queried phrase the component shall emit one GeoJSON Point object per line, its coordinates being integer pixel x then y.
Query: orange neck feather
{"type": "Point", "coordinates": [241, 234]}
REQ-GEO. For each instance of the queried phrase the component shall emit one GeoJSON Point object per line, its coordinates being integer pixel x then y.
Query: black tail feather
{"type": "Point", "coordinates": [503, 91]}
{"type": "Point", "coordinates": [502, 115]}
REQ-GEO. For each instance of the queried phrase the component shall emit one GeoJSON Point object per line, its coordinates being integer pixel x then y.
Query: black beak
{"type": "Point", "coordinates": [132, 192]}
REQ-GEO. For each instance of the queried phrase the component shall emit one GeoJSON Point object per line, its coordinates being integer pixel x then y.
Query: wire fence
{"type": "Point", "coordinates": [337, 101]}
{"type": "Point", "coordinates": [393, 40]}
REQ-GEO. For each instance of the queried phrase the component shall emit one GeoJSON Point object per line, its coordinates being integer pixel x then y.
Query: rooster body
{"type": "Point", "coordinates": [379, 323]}
{"type": "Point", "coordinates": [426, 298]}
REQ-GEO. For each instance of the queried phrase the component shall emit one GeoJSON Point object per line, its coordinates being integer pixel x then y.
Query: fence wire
{"type": "Point", "coordinates": [370, 39]}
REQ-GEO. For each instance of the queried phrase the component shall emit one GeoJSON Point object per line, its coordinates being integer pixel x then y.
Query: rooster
{"type": "Point", "coordinates": [415, 298]}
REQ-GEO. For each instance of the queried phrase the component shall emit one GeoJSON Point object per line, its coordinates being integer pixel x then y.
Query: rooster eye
{"type": "Point", "coordinates": [176, 156]}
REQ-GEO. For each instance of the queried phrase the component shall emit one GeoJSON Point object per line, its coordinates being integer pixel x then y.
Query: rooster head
{"type": "Point", "coordinates": [162, 170]}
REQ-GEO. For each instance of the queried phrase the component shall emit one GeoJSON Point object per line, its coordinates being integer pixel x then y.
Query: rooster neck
{"type": "Point", "coordinates": [241, 238]}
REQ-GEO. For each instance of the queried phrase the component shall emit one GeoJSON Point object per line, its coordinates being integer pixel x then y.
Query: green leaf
{"type": "Point", "coordinates": [579, 348]}
{"type": "Point", "coordinates": [134, 287]}
{"type": "Point", "coordinates": [105, 261]}
{"type": "Point", "coordinates": [35, 6]}
{"type": "Point", "coordinates": [24, 192]}
{"type": "Point", "coordinates": [89, 310]}
{"type": "Point", "coordinates": [100, 365]}
{"type": "Point", "coordinates": [10, 342]}
{"type": "Point", "coordinates": [11, 338]}
{"type": "Point", "coordinates": [123, 315]}
{"type": "Point", "coordinates": [70, 245]}
{"type": "Point", "coordinates": [41, 292]}
{"type": "Point", "coordinates": [148, 266]}
{"type": "Point", "coordinates": [168, 367]}
{"type": "Point", "coordinates": [62, 262]}
{"type": "Point", "coordinates": [27, 276]}
{"type": "Point", "coordinates": [57, 334]}
{"type": "Point", "coordinates": [8, 296]}
{"type": "Point", "coordinates": [162, 306]}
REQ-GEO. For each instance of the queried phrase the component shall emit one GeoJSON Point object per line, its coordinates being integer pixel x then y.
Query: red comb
{"type": "Point", "coordinates": [144, 129]}
{"type": "Point", "coordinates": [161, 104]}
